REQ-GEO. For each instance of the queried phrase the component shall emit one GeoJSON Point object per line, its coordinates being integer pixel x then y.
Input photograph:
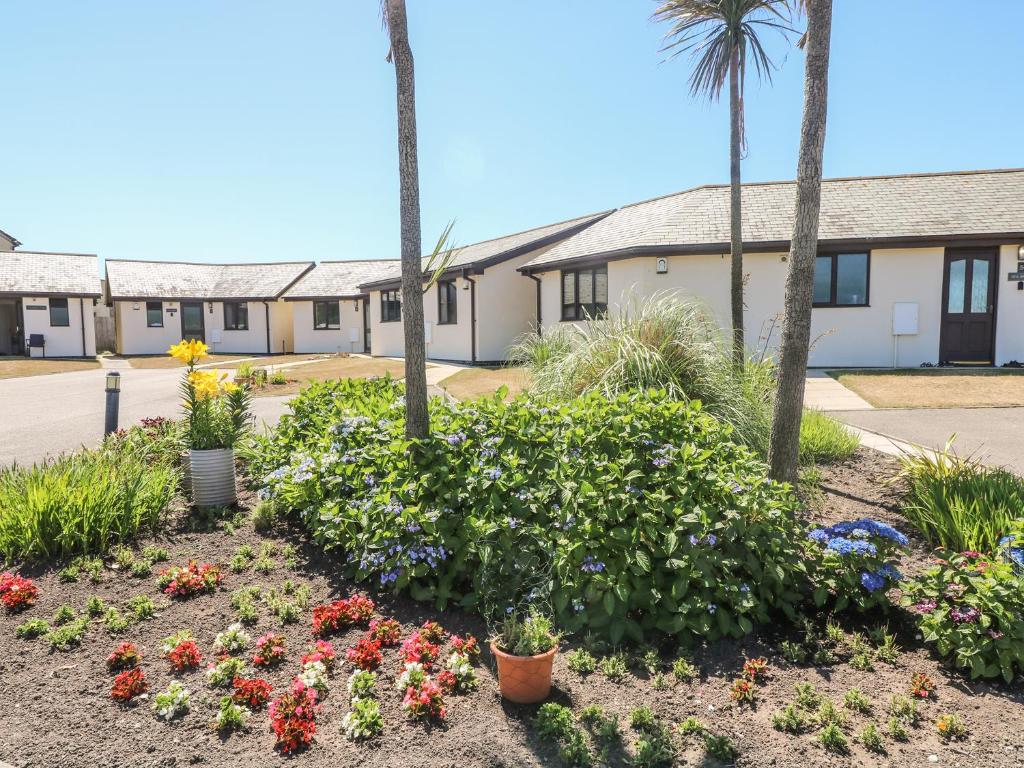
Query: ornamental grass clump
{"type": "Point", "coordinates": [81, 503]}
{"type": "Point", "coordinates": [855, 563]}
{"type": "Point", "coordinates": [970, 608]}
{"type": "Point", "coordinates": [649, 518]}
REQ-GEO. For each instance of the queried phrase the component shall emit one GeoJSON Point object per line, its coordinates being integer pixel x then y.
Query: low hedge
{"type": "Point", "coordinates": [631, 516]}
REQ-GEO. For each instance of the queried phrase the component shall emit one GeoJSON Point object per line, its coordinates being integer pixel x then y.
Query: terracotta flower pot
{"type": "Point", "coordinates": [524, 679]}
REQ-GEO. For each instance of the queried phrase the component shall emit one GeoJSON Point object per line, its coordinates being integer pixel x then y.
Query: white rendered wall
{"type": "Point", "coordinates": [334, 340]}
{"type": "Point", "coordinates": [61, 341]}
{"type": "Point", "coordinates": [134, 337]}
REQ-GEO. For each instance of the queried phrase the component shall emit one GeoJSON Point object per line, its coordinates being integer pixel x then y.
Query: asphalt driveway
{"type": "Point", "coordinates": [42, 416]}
{"type": "Point", "coordinates": [993, 435]}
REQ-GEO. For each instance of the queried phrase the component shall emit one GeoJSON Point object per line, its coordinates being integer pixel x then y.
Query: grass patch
{"type": "Point", "coordinates": [958, 503]}
{"type": "Point", "coordinates": [16, 367]}
{"type": "Point", "coordinates": [935, 387]}
{"type": "Point", "coordinates": [824, 440]}
{"type": "Point", "coordinates": [331, 368]}
{"type": "Point", "coordinates": [471, 383]}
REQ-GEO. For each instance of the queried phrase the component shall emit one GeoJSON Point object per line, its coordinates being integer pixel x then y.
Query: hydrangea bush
{"type": "Point", "coordinates": [855, 563]}
{"type": "Point", "coordinates": [639, 513]}
{"type": "Point", "coordinates": [973, 610]}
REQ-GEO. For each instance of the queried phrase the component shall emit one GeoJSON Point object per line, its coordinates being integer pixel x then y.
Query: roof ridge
{"type": "Point", "coordinates": [531, 229]}
{"type": "Point", "coordinates": [50, 253]}
{"type": "Point", "coordinates": [357, 261]}
{"type": "Point", "coordinates": [205, 263]}
{"type": "Point", "coordinates": [921, 174]}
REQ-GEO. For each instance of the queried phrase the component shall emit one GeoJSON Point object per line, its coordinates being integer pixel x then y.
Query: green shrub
{"type": "Point", "coordinates": [904, 709]}
{"type": "Point", "coordinates": [575, 752]}
{"type": "Point", "coordinates": [581, 661]}
{"type": "Point", "coordinates": [554, 721]}
{"type": "Point", "coordinates": [68, 636]}
{"type": "Point", "coordinates": [642, 719]}
{"type": "Point", "coordinates": [971, 609]}
{"type": "Point", "coordinates": [721, 747]}
{"type": "Point", "coordinates": [631, 516]}
{"type": "Point", "coordinates": [31, 629]}
{"type": "Point", "coordinates": [807, 696]}
{"type": "Point", "coordinates": [958, 503]}
{"type": "Point", "coordinates": [871, 738]}
{"type": "Point", "coordinates": [790, 720]}
{"type": "Point", "coordinates": [95, 607]}
{"type": "Point", "coordinates": [824, 440]}
{"type": "Point", "coordinates": [142, 607]}
{"type": "Point", "coordinates": [81, 503]}
{"type": "Point", "coordinates": [857, 701]}
{"type": "Point", "coordinates": [832, 738]}
{"type": "Point", "coordinates": [684, 670]}
{"type": "Point", "coordinates": [614, 667]}
{"type": "Point", "coordinates": [897, 730]}
{"type": "Point", "coordinates": [63, 615]}
{"type": "Point", "coordinates": [654, 749]}
{"type": "Point", "coordinates": [854, 563]}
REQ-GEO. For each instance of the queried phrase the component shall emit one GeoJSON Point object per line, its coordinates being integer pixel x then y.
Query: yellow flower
{"type": "Point", "coordinates": [188, 351]}
{"type": "Point", "coordinates": [229, 386]}
{"type": "Point", "coordinates": [204, 383]}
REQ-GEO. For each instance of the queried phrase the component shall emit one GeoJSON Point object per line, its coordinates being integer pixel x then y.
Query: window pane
{"type": "Point", "coordinates": [59, 312]}
{"type": "Point", "coordinates": [154, 314]}
{"type": "Point", "coordinates": [334, 314]}
{"type": "Point", "coordinates": [601, 286]}
{"type": "Point", "coordinates": [243, 316]}
{"type": "Point", "coordinates": [319, 314]}
{"type": "Point", "coordinates": [823, 280]}
{"type": "Point", "coordinates": [957, 277]}
{"type": "Point", "coordinates": [568, 288]}
{"type": "Point", "coordinates": [852, 278]}
{"type": "Point", "coordinates": [586, 286]}
{"type": "Point", "coordinates": [979, 286]}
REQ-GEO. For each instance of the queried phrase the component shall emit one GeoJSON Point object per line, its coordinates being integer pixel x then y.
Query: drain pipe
{"type": "Point", "coordinates": [472, 315]}
{"type": "Point", "coordinates": [539, 318]}
{"type": "Point", "coordinates": [266, 314]}
{"type": "Point", "coordinates": [81, 314]}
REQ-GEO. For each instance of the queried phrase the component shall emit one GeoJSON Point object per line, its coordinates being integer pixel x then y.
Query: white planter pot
{"type": "Point", "coordinates": [213, 477]}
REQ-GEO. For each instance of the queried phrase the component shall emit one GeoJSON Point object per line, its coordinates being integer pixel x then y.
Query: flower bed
{"type": "Point", "coordinates": [644, 514]}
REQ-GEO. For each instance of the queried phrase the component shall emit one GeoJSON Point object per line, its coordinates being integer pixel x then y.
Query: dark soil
{"type": "Point", "coordinates": [56, 710]}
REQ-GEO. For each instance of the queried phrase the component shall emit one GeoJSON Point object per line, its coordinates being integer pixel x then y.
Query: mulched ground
{"type": "Point", "coordinates": [55, 708]}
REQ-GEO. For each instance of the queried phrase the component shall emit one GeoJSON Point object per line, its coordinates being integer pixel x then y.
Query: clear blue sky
{"type": "Point", "coordinates": [255, 130]}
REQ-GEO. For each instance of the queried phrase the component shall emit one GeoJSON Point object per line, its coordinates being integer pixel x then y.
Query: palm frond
{"type": "Point", "coordinates": [441, 257]}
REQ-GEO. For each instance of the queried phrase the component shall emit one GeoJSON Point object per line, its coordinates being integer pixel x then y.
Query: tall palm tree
{"type": "Point", "coordinates": [784, 449]}
{"type": "Point", "coordinates": [722, 35]}
{"type": "Point", "coordinates": [417, 422]}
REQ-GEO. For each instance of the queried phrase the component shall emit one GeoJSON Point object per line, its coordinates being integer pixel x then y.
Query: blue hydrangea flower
{"type": "Point", "coordinates": [844, 546]}
{"type": "Point", "coordinates": [591, 565]}
{"type": "Point", "coordinates": [712, 608]}
{"type": "Point", "coordinates": [711, 539]}
{"type": "Point", "coordinates": [694, 541]}
{"type": "Point", "coordinates": [819, 535]}
{"type": "Point", "coordinates": [492, 474]}
{"type": "Point", "coordinates": [872, 582]}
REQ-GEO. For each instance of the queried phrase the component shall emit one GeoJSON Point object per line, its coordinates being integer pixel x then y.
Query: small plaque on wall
{"type": "Point", "coordinates": [35, 306]}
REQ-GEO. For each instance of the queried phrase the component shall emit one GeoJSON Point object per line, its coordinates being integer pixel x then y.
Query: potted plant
{"type": "Point", "coordinates": [525, 650]}
{"type": "Point", "coordinates": [216, 419]}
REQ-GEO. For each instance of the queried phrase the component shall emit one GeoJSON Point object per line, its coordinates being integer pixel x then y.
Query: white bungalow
{"type": "Point", "coordinates": [234, 308]}
{"type": "Point", "coordinates": [330, 312]}
{"type": "Point", "coordinates": [47, 302]}
{"type": "Point", "coordinates": [912, 269]}
{"type": "Point", "coordinates": [479, 306]}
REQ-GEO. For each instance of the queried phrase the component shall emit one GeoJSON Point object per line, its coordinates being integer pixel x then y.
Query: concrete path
{"type": "Point", "coordinates": [994, 436]}
{"type": "Point", "coordinates": [46, 415]}
{"type": "Point", "coordinates": [824, 393]}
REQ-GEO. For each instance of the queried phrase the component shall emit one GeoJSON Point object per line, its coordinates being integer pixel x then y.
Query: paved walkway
{"type": "Point", "coordinates": [824, 393]}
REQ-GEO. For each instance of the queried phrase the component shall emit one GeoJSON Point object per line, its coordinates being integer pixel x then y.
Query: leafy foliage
{"type": "Point", "coordinates": [651, 518]}
{"type": "Point", "coordinates": [973, 610]}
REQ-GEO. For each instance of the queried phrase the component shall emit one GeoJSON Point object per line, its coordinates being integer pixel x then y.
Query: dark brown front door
{"type": "Point", "coordinates": [969, 306]}
{"type": "Point", "coordinates": [192, 325]}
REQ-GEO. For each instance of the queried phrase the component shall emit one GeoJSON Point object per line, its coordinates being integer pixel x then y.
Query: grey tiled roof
{"type": "Point", "coordinates": [60, 274]}
{"type": "Point", "coordinates": [883, 207]}
{"type": "Point", "coordinates": [491, 251]}
{"type": "Point", "coordinates": [340, 279]}
{"type": "Point", "coordinates": [180, 280]}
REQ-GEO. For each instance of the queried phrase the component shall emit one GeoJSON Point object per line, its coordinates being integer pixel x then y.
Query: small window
{"type": "Point", "coordinates": [447, 302]}
{"type": "Point", "coordinates": [841, 280]}
{"type": "Point", "coordinates": [154, 314]}
{"type": "Point", "coordinates": [585, 293]}
{"type": "Point", "coordinates": [326, 315]}
{"type": "Point", "coordinates": [236, 316]}
{"type": "Point", "coordinates": [390, 306]}
{"type": "Point", "coordinates": [59, 315]}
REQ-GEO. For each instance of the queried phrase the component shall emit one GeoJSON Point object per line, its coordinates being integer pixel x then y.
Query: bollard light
{"type": "Point", "coordinates": [113, 390]}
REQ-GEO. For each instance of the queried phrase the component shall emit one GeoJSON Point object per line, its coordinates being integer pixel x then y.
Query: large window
{"type": "Point", "coordinates": [390, 306]}
{"type": "Point", "coordinates": [236, 316]}
{"type": "Point", "coordinates": [154, 314]}
{"type": "Point", "coordinates": [447, 302]}
{"type": "Point", "coordinates": [326, 315]}
{"type": "Point", "coordinates": [585, 293]}
{"type": "Point", "coordinates": [59, 316]}
{"type": "Point", "coordinates": [841, 280]}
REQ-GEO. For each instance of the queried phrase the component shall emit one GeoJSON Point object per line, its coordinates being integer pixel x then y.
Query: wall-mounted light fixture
{"type": "Point", "coordinates": [135, 306]}
{"type": "Point", "coordinates": [1020, 252]}
{"type": "Point", "coordinates": [661, 266]}
{"type": "Point", "coordinates": [210, 304]}
{"type": "Point", "coordinates": [357, 303]}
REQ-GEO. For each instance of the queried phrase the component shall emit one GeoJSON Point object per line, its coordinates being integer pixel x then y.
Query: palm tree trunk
{"type": "Point", "coordinates": [417, 423]}
{"type": "Point", "coordinates": [735, 211]}
{"type": "Point", "coordinates": [784, 450]}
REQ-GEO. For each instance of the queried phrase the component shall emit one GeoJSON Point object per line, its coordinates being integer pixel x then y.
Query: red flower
{"type": "Point", "coordinates": [270, 649]}
{"type": "Point", "coordinates": [254, 693]}
{"type": "Point", "coordinates": [424, 700]}
{"type": "Point", "coordinates": [323, 651]}
{"type": "Point", "coordinates": [366, 653]}
{"type": "Point", "coordinates": [185, 655]}
{"type": "Point", "coordinates": [293, 717]}
{"type": "Point", "coordinates": [432, 632]}
{"type": "Point", "coordinates": [418, 648]}
{"type": "Point", "coordinates": [467, 645]}
{"type": "Point", "coordinates": [921, 685]}
{"type": "Point", "coordinates": [341, 614]}
{"type": "Point", "coordinates": [755, 669]}
{"type": "Point", "coordinates": [193, 579]}
{"type": "Point", "coordinates": [387, 631]}
{"type": "Point", "coordinates": [447, 681]}
{"type": "Point", "coordinates": [130, 684]}
{"type": "Point", "coordinates": [125, 656]}
{"type": "Point", "coordinates": [16, 592]}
